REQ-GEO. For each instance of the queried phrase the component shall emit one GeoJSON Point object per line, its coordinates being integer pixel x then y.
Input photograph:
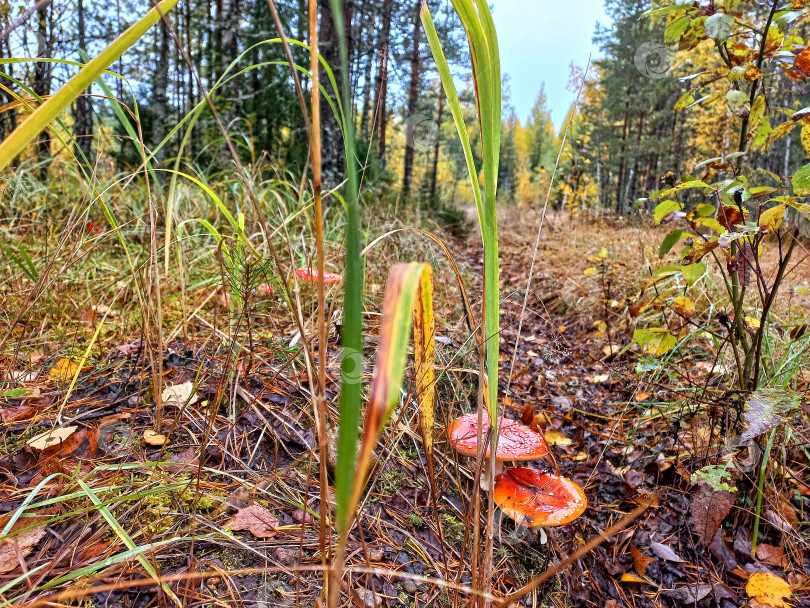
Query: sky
{"type": "Point", "coordinates": [538, 40]}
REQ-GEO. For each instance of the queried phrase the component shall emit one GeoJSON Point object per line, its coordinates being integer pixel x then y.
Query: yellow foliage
{"type": "Point", "coordinates": [768, 589]}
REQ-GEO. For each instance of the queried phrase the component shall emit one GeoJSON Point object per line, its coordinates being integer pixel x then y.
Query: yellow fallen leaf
{"type": "Point", "coordinates": [769, 589]}
{"type": "Point", "coordinates": [632, 578]}
{"type": "Point", "coordinates": [589, 271]}
{"type": "Point", "coordinates": [641, 396]}
{"type": "Point", "coordinates": [581, 456]}
{"type": "Point", "coordinates": [64, 369]}
{"type": "Point", "coordinates": [558, 438]}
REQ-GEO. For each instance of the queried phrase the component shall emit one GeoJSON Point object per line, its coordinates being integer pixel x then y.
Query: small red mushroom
{"type": "Point", "coordinates": [516, 441]}
{"type": "Point", "coordinates": [310, 275]}
{"type": "Point", "coordinates": [536, 499]}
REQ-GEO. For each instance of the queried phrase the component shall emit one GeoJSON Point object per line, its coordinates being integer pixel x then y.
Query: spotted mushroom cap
{"type": "Point", "coordinates": [311, 275]}
{"type": "Point", "coordinates": [534, 498]}
{"type": "Point", "coordinates": [516, 441]}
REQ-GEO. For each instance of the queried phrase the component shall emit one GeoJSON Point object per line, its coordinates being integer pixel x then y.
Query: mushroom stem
{"type": "Point", "coordinates": [484, 480]}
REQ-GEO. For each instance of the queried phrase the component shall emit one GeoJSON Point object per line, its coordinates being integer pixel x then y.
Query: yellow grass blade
{"type": "Point", "coordinates": [408, 301]}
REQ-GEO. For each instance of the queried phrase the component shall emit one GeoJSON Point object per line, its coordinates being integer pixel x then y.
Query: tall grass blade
{"type": "Point", "coordinates": [352, 338]}
{"type": "Point", "coordinates": [408, 301]}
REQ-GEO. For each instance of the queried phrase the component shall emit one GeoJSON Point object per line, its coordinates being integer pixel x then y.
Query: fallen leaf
{"type": "Point", "coordinates": [51, 438]}
{"type": "Point", "coordinates": [255, 519]}
{"type": "Point", "coordinates": [611, 350]}
{"type": "Point", "coordinates": [689, 595]}
{"type": "Point", "coordinates": [632, 578]}
{"type": "Point", "coordinates": [766, 408]}
{"type": "Point", "coordinates": [12, 414]}
{"type": "Point", "coordinates": [589, 271]}
{"type": "Point", "coordinates": [640, 561]}
{"type": "Point", "coordinates": [709, 509]}
{"type": "Point", "coordinates": [665, 552]}
{"type": "Point", "coordinates": [153, 438]}
{"type": "Point", "coordinates": [557, 438]}
{"type": "Point", "coordinates": [186, 459]}
{"type": "Point", "coordinates": [179, 394]}
{"type": "Point", "coordinates": [772, 555]}
{"type": "Point", "coordinates": [64, 369]}
{"type": "Point", "coordinates": [721, 551]}
{"type": "Point", "coordinates": [14, 547]}
{"type": "Point", "coordinates": [641, 396]}
{"type": "Point", "coordinates": [130, 348]}
{"type": "Point", "coordinates": [768, 589]}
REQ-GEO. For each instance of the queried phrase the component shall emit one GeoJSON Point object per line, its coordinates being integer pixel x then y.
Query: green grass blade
{"type": "Point", "coordinates": [125, 538]}
{"type": "Point", "coordinates": [352, 337]}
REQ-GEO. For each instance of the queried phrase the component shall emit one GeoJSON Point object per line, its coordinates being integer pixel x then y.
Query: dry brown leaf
{"type": "Point", "coordinates": [640, 561]}
{"type": "Point", "coordinates": [255, 519]}
{"type": "Point", "coordinates": [772, 555]}
{"type": "Point", "coordinates": [709, 509]}
{"type": "Point", "coordinates": [11, 549]}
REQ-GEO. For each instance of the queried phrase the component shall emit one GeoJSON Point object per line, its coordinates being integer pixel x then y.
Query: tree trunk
{"type": "Point", "coordinates": [83, 111]}
{"type": "Point", "coordinates": [8, 120]}
{"type": "Point", "coordinates": [160, 84]}
{"type": "Point", "coordinates": [413, 95]}
{"type": "Point", "coordinates": [381, 88]}
{"type": "Point", "coordinates": [42, 83]}
{"type": "Point", "coordinates": [623, 165]}
{"type": "Point", "coordinates": [435, 170]}
{"type": "Point", "coordinates": [333, 162]}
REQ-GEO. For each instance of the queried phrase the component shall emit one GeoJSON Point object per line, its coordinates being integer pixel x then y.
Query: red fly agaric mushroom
{"type": "Point", "coordinates": [516, 441]}
{"type": "Point", "coordinates": [310, 275]}
{"type": "Point", "coordinates": [536, 499]}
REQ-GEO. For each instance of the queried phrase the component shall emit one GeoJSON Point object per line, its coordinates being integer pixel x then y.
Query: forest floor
{"type": "Point", "coordinates": [226, 510]}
